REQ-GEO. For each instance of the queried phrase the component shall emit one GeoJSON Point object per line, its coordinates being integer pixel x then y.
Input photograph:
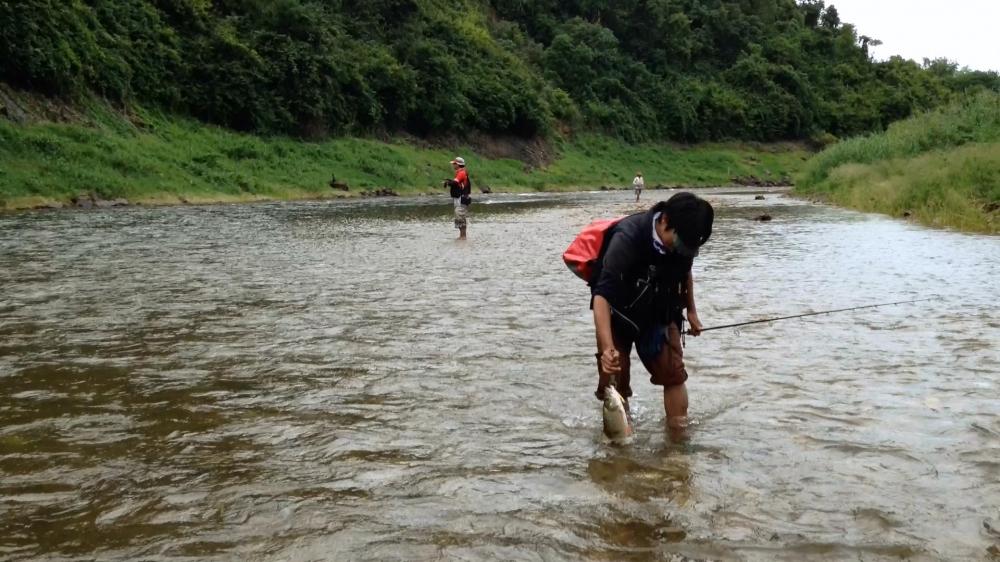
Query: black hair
{"type": "Point", "coordinates": [690, 216]}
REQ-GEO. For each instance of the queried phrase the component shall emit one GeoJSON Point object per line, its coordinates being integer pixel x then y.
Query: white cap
{"type": "Point", "coordinates": [459, 160]}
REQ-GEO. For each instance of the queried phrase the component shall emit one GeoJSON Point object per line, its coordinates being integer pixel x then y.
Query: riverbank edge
{"type": "Point", "coordinates": [55, 155]}
{"type": "Point", "coordinates": [947, 188]}
{"type": "Point", "coordinates": [940, 168]}
{"type": "Point", "coordinates": [40, 203]}
{"type": "Point", "coordinates": [86, 195]}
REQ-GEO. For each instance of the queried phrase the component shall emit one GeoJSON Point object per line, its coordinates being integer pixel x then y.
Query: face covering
{"type": "Point", "coordinates": [682, 249]}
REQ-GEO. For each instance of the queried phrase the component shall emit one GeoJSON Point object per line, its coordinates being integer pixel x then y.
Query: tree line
{"type": "Point", "coordinates": [685, 70]}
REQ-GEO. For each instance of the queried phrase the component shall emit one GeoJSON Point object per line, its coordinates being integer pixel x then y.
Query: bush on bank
{"type": "Point", "coordinates": [942, 167]}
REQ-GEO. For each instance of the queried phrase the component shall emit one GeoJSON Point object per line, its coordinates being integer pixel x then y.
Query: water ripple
{"type": "Point", "coordinates": [303, 381]}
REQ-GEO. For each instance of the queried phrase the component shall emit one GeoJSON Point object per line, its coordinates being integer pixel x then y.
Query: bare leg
{"type": "Point", "coordinates": [667, 369]}
{"type": "Point", "coordinates": [461, 233]}
{"type": "Point", "coordinates": [675, 403]}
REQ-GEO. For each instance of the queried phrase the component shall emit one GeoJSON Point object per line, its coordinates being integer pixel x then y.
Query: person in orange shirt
{"type": "Point", "coordinates": [461, 191]}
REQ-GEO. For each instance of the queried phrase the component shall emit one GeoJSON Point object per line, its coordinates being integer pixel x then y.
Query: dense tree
{"type": "Point", "coordinates": [640, 69]}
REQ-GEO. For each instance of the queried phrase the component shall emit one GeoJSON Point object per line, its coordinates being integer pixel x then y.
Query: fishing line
{"type": "Point", "coordinates": [809, 314]}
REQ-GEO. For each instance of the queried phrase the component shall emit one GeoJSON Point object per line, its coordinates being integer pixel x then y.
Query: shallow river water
{"type": "Point", "coordinates": [344, 381]}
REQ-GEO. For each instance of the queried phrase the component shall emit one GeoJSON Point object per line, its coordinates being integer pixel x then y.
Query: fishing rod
{"type": "Point", "coordinates": [808, 314]}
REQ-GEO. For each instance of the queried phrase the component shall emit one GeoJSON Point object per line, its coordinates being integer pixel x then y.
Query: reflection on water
{"type": "Point", "coordinates": [331, 381]}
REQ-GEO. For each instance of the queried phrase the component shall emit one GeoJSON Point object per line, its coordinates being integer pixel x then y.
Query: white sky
{"type": "Point", "coordinates": [964, 31]}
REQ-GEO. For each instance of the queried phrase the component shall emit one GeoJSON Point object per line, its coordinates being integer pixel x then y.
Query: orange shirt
{"type": "Point", "coordinates": [462, 177]}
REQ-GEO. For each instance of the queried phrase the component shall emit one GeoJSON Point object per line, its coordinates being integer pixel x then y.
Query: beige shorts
{"type": "Point", "coordinates": [461, 216]}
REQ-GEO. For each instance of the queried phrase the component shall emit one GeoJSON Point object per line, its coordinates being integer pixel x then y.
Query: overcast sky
{"type": "Point", "coordinates": [965, 31]}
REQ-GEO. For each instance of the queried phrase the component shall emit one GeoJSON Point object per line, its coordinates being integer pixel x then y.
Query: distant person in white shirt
{"type": "Point", "coordinates": [638, 183]}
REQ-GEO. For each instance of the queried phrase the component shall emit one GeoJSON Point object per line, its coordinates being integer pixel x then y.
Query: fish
{"type": "Point", "coordinates": [617, 426]}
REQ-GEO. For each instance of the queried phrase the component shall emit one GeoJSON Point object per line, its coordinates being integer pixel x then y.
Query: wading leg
{"type": "Point", "coordinates": [675, 404]}
{"type": "Point", "coordinates": [667, 369]}
{"type": "Point", "coordinates": [461, 220]}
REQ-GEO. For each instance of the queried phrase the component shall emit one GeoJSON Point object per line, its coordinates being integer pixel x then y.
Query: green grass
{"type": "Point", "coordinates": [155, 158]}
{"type": "Point", "coordinates": [942, 168]}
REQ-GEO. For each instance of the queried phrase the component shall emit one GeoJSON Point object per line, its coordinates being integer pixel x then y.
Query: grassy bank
{"type": "Point", "coordinates": [154, 158]}
{"type": "Point", "coordinates": [941, 168]}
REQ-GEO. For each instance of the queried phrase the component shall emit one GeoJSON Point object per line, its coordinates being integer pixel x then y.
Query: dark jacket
{"type": "Point", "coordinates": [642, 285]}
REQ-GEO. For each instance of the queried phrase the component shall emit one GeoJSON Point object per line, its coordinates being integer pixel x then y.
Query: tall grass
{"type": "Point", "coordinates": [975, 119]}
{"type": "Point", "coordinates": [168, 159]}
{"type": "Point", "coordinates": [942, 167]}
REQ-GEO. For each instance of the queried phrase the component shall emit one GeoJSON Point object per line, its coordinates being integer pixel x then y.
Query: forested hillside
{"type": "Point", "coordinates": [686, 70]}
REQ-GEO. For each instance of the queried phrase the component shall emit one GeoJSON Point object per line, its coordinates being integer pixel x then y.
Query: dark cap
{"type": "Point", "coordinates": [691, 217]}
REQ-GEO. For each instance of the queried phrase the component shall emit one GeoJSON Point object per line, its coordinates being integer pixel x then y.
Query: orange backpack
{"type": "Point", "coordinates": [584, 251]}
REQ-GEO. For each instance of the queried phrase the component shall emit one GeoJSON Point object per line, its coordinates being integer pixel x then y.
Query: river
{"type": "Point", "coordinates": [345, 381]}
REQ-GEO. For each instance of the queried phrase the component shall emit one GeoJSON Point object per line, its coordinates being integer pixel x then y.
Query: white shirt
{"type": "Point", "coordinates": [657, 243]}
{"type": "Point", "coordinates": [638, 182]}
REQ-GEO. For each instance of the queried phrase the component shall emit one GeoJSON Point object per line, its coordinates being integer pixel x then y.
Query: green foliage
{"type": "Point", "coordinates": [943, 166]}
{"type": "Point", "coordinates": [975, 119]}
{"type": "Point", "coordinates": [688, 70]}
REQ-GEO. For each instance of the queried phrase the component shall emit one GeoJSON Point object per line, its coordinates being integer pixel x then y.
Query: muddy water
{"type": "Point", "coordinates": [343, 381]}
